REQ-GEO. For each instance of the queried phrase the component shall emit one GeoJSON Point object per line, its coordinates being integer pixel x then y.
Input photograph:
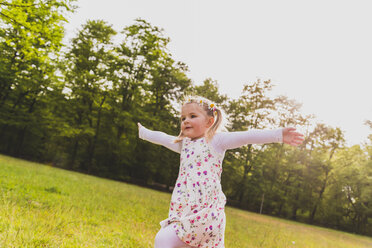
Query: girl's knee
{"type": "Point", "coordinates": [161, 240]}
{"type": "Point", "coordinates": [167, 238]}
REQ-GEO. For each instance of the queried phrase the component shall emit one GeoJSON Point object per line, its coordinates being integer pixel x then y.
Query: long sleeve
{"type": "Point", "coordinates": [231, 140]}
{"type": "Point", "coordinates": [160, 138]}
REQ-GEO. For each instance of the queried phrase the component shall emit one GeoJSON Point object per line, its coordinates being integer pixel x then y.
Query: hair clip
{"type": "Point", "coordinates": [213, 108]}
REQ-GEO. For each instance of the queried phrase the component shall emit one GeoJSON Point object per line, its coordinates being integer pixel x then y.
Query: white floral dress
{"type": "Point", "coordinates": [196, 211]}
{"type": "Point", "coordinates": [197, 206]}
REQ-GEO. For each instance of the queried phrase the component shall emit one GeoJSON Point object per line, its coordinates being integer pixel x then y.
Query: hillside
{"type": "Point", "coordinates": [42, 206]}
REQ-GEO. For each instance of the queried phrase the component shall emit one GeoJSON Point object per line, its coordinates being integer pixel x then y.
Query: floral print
{"type": "Point", "coordinates": [196, 210]}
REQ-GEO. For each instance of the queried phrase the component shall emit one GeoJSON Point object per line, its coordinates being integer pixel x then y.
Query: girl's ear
{"type": "Point", "coordinates": [210, 122]}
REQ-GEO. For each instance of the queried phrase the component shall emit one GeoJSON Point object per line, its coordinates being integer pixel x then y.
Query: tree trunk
{"type": "Point", "coordinates": [73, 154]}
{"type": "Point", "coordinates": [247, 168]}
{"type": "Point", "coordinates": [262, 202]}
{"type": "Point", "coordinates": [295, 205]}
{"type": "Point", "coordinates": [21, 136]}
{"type": "Point", "coordinates": [22, 132]}
{"type": "Point", "coordinates": [312, 215]}
{"type": "Point", "coordinates": [322, 189]}
{"type": "Point", "coordinates": [91, 149]}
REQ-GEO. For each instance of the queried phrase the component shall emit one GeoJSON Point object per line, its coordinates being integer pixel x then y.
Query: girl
{"type": "Point", "coordinates": [196, 212]}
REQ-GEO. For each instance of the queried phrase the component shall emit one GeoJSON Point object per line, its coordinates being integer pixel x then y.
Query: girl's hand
{"type": "Point", "coordinates": [291, 137]}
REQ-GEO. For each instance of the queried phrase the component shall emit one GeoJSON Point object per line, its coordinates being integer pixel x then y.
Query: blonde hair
{"type": "Point", "coordinates": [210, 109]}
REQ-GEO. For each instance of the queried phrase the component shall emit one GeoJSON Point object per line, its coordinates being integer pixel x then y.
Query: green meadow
{"type": "Point", "coordinates": [43, 206]}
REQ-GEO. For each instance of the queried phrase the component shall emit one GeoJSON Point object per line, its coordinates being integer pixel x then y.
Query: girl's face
{"type": "Point", "coordinates": [194, 121]}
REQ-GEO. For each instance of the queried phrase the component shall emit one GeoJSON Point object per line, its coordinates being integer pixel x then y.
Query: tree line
{"type": "Point", "coordinates": [76, 105]}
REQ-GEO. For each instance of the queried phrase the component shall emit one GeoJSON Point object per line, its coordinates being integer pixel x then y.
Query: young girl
{"type": "Point", "coordinates": [196, 213]}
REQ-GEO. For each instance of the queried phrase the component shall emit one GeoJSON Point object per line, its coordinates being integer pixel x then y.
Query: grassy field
{"type": "Point", "coordinates": [42, 206]}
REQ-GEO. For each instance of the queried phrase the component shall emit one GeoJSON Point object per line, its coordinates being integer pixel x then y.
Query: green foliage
{"type": "Point", "coordinates": [31, 36]}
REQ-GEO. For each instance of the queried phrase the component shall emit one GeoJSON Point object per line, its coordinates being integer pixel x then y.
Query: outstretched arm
{"type": "Point", "coordinates": [232, 140]}
{"type": "Point", "coordinates": [159, 138]}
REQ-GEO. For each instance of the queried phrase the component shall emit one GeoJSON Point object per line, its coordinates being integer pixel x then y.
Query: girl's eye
{"type": "Point", "coordinates": [182, 119]}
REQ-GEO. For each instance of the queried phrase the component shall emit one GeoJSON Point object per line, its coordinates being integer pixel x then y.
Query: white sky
{"type": "Point", "coordinates": [317, 52]}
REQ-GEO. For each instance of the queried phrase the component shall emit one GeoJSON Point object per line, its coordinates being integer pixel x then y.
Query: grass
{"type": "Point", "coordinates": [42, 206]}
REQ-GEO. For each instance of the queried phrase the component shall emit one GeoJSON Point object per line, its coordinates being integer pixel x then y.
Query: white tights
{"type": "Point", "coordinates": [167, 238]}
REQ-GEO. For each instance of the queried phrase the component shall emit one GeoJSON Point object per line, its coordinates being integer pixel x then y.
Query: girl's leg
{"type": "Point", "coordinates": [167, 238]}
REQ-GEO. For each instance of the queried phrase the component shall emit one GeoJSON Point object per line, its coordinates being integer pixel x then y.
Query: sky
{"type": "Point", "coordinates": [316, 52]}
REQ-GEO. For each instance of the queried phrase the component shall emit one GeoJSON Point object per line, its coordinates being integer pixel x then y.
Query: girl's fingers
{"type": "Point", "coordinates": [294, 138]}
{"type": "Point", "coordinates": [291, 129]}
{"type": "Point", "coordinates": [295, 143]}
{"type": "Point", "coordinates": [298, 136]}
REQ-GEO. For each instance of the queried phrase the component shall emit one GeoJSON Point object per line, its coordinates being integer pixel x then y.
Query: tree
{"type": "Point", "coordinates": [250, 111]}
{"type": "Point", "coordinates": [30, 37]}
{"type": "Point", "coordinates": [145, 84]}
{"type": "Point", "coordinates": [282, 167]}
{"type": "Point", "coordinates": [325, 141]}
{"type": "Point", "coordinates": [349, 197]}
{"type": "Point", "coordinates": [88, 78]}
{"type": "Point", "coordinates": [209, 89]}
